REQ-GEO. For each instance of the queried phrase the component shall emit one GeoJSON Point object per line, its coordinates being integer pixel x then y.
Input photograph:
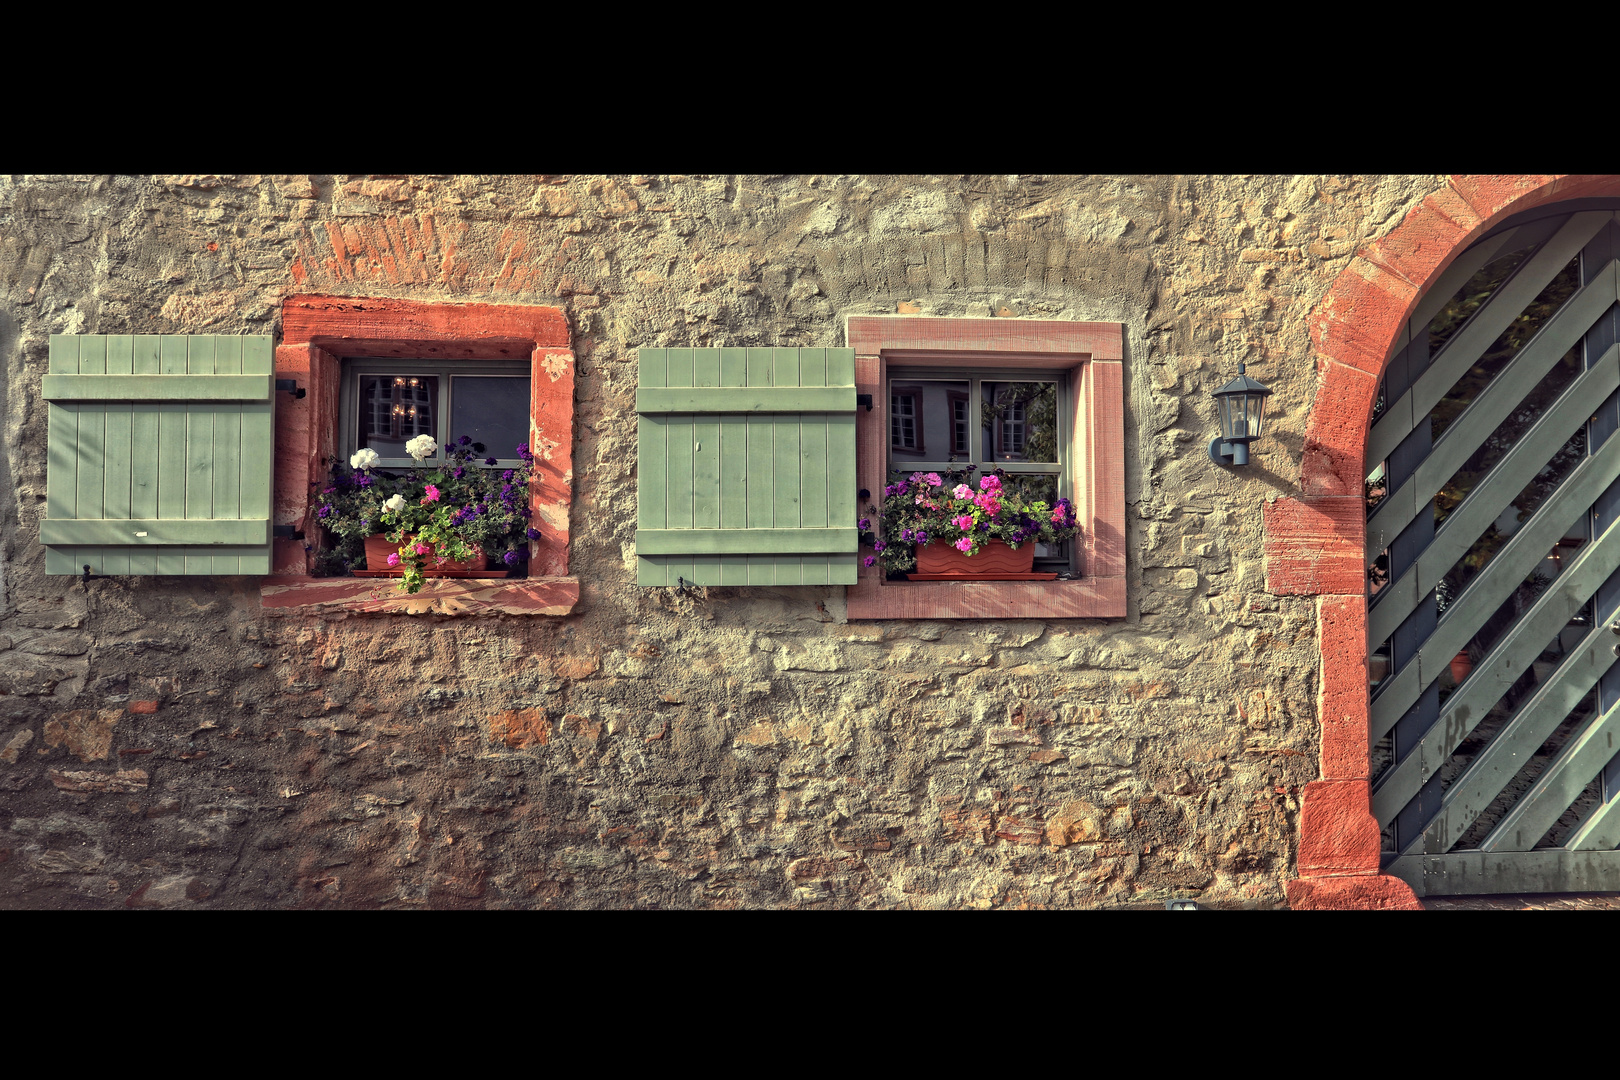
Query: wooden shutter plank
{"type": "Point", "coordinates": [258, 460]}
{"type": "Point", "coordinates": [92, 354]}
{"type": "Point", "coordinates": [759, 366]}
{"type": "Point", "coordinates": [227, 462]}
{"type": "Point", "coordinates": [258, 355]}
{"type": "Point", "coordinates": [650, 471]}
{"type": "Point", "coordinates": [813, 472]}
{"type": "Point", "coordinates": [785, 466]}
{"type": "Point", "coordinates": [679, 455]}
{"type": "Point", "coordinates": [64, 355]}
{"type": "Point", "coordinates": [745, 399]}
{"type": "Point", "coordinates": [171, 461]}
{"type": "Point", "coordinates": [92, 456]}
{"type": "Point", "coordinates": [158, 532]}
{"type": "Point", "coordinates": [706, 367]}
{"type": "Point", "coordinates": [785, 367]}
{"type": "Point", "coordinates": [733, 470]}
{"type": "Point", "coordinates": [62, 462]}
{"type": "Point", "coordinates": [706, 472]}
{"type": "Point", "coordinates": [840, 367]}
{"type": "Point", "coordinates": [813, 367]}
{"type": "Point", "coordinates": [181, 387]}
{"type": "Point", "coordinates": [200, 354]}
{"type": "Point", "coordinates": [227, 356]}
{"type": "Point", "coordinates": [172, 354]}
{"type": "Point", "coordinates": [120, 354]}
{"type": "Point", "coordinates": [743, 541]}
{"type": "Point", "coordinates": [841, 489]}
{"type": "Point", "coordinates": [733, 367]}
{"type": "Point", "coordinates": [679, 438]}
{"type": "Point", "coordinates": [144, 355]}
{"type": "Point", "coordinates": [199, 461]}
{"type": "Point", "coordinates": [143, 561]}
{"type": "Point", "coordinates": [761, 491]}
{"type": "Point", "coordinates": [117, 356]}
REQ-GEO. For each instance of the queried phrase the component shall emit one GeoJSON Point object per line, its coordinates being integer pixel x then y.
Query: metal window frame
{"type": "Point", "coordinates": [349, 398]}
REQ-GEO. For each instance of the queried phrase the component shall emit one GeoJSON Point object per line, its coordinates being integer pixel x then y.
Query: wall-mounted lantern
{"type": "Point", "coordinates": [1242, 404]}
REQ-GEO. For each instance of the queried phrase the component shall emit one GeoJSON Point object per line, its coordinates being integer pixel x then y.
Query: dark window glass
{"type": "Point", "coordinates": [492, 410]}
{"type": "Point", "coordinates": [395, 409]}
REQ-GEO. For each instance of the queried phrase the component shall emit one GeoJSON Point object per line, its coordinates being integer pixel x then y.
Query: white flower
{"type": "Point", "coordinates": [423, 446]}
{"type": "Point", "coordinates": [395, 504]}
{"type": "Point", "coordinates": [365, 458]}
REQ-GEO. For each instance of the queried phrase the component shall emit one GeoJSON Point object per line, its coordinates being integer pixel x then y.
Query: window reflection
{"type": "Point", "coordinates": [395, 409]}
{"type": "Point", "coordinates": [1020, 421]}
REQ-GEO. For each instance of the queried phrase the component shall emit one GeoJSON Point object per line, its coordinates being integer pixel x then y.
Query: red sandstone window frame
{"type": "Point", "coordinates": [318, 334]}
{"type": "Point", "coordinates": [1092, 353]}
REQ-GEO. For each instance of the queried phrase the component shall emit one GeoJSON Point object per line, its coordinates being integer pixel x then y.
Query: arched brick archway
{"type": "Point", "coordinates": [1313, 543]}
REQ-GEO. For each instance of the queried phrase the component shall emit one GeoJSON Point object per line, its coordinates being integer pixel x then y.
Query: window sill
{"type": "Point", "coordinates": [1085, 598]}
{"type": "Point", "coordinates": [294, 595]}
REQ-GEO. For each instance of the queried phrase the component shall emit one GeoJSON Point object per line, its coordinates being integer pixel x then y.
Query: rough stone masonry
{"type": "Point", "coordinates": [164, 742]}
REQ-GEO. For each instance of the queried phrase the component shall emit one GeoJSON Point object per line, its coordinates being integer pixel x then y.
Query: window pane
{"type": "Point", "coordinates": [395, 409]}
{"type": "Point", "coordinates": [492, 410]}
{"type": "Point", "coordinates": [1020, 421]}
{"type": "Point", "coordinates": [928, 420]}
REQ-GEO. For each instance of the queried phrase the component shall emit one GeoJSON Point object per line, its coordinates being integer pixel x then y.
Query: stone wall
{"type": "Point", "coordinates": [165, 742]}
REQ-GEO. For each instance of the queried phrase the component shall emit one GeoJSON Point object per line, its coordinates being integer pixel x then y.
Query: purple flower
{"type": "Point", "coordinates": [523, 451]}
{"type": "Point", "coordinates": [878, 545]}
{"type": "Point", "coordinates": [534, 533]}
{"type": "Point", "coordinates": [907, 534]}
{"type": "Point", "coordinates": [869, 560]}
{"type": "Point", "coordinates": [863, 524]}
{"type": "Point", "coordinates": [510, 558]}
{"type": "Point", "coordinates": [888, 490]}
{"type": "Point", "coordinates": [507, 475]}
{"type": "Point", "coordinates": [489, 461]}
{"type": "Point", "coordinates": [326, 511]}
{"type": "Point", "coordinates": [458, 472]}
{"type": "Point", "coordinates": [466, 440]}
{"type": "Point", "coordinates": [362, 480]}
{"type": "Point", "coordinates": [329, 491]}
{"type": "Point", "coordinates": [922, 537]}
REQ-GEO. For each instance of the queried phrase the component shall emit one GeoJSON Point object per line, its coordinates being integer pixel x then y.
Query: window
{"type": "Point", "coordinates": [1042, 400]}
{"type": "Point", "coordinates": [386, 403]}
{"type": "Point", "coordinates": [496, 369]}
{"type": "Point", "coordinates": [1020, 432]}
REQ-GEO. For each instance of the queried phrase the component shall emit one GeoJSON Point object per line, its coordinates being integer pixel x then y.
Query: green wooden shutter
{"type": "Point", "coordinates": [161, 455]}
{"type": "Point", "coordinates": [746, 467]}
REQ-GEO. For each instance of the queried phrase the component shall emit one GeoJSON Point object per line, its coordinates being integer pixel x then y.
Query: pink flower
{"type": "Point", "coordinates": [422, 549]}
{"type": "Point", "coordinates": [1057, 516]}
{"type": "Point", "coordinates": [964, 522]}
{"type": "Point", "coordinates": [990, 483]}
{"type": "Point", "coordinates": [933, 478]}
{"type": "Point", "coordinates": [962, 491]}
{"type": "Point", "coordinates": [963, 545]}
{"type": "Point", "coordinates": [393, 558]}
{"type": "Point", "coordinates": [432, 494]}
{"type": "Point", "coordinates": [986, 501]}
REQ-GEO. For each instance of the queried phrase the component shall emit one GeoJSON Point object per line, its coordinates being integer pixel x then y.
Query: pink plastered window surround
{"type": "Point", "coordinates": [318, 334]}
{"type": "Point", "coordinates": [1092, 353]}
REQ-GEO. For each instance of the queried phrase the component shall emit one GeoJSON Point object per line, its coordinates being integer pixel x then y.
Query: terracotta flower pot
{"type": "Point", "coordinates": [994, 557]}
{"type": "Point", "coordinates": [1461, 665]}
{"type": "Point", "coordinates": [378, 549]}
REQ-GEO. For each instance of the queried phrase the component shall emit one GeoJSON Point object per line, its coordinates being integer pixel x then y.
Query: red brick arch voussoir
{"type": "Point", "coordinates": [1313, 542]}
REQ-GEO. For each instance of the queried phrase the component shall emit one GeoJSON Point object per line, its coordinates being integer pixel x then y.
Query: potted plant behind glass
{"type": "Point", "coordinates": [946, 531]}
{"type": "Point", "coordinates": [452, 519]}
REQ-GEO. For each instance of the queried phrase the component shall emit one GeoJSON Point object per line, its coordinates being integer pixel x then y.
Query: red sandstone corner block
{"type": "Point", "coordinates": [1336, 434]}
{"type": "Point", "coordinates": [440, 596]}
{"type": "Point", "coordinates": [1426, 240]}
{"type": "Point", "coordinates": [1357, 320]}
{"type": "Point", "coordinates": [1490, 196]}
{"type": "Point", "coordinates": [1371, 892]}
{"type": "Point", "coordinates": [143, 706]}
{"type": "Point", "coordinates": [1337, 832]}
{"type": "Point", "coordinates": [1341, 628]}
{"type": "Point", "coordinates": [1312, 546]}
